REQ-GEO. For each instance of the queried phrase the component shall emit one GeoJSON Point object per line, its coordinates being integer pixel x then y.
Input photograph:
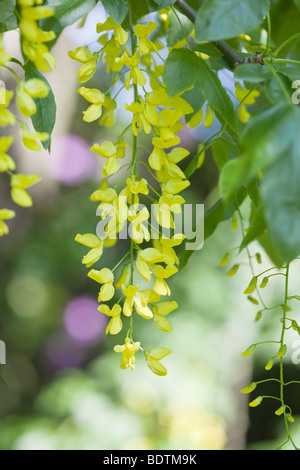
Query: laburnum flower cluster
{"type": "Point", "coordinates": [158, 116]}
{"type": "Point", "coordinates": [34, 48]}
{"type": "Point", "coordinates": [139, 67]}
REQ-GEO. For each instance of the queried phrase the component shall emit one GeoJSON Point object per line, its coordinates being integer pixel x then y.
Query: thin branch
{"type": "Point", "coordinates": [233, 58]}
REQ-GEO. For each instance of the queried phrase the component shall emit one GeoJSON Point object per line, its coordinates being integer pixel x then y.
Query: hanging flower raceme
{"type": "Point", "coordinates": [160, 118]}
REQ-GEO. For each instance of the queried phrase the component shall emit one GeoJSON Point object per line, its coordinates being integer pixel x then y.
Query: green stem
{"type": "Point", "coordinates": [281, 61]}
{"type": "Point", "coordinates": [284, 319]}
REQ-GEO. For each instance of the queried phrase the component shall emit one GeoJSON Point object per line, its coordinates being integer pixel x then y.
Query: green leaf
{"type": "Point", "coordinates": [273, 90]}
{"type": "Point", "coordinates": [44, 119]}
{"type": "Point", "coordinates": [224, 150]}
{"type": "Point", "coordinates": [218, 213]}
{"type": "Point", "coordinates": [195, 98]}
{"type": "Point", "coordinates": [297, 3]}
{"type": "Point", "coordinates": [265, 138]}
{"type": "Point", "coordinates": [155, 5]}
{"type": "Point", "coordinates": [224, 19]}
{"type": "Point", "coordinates": [181, 71]}
{"type": "Point", "coordinates": [8, 19]}
{"type": "Point", "coordinates": [217, 96]}
{"type": "Point", "coordinates": [256, 229]}
{"type": "Point", "coordinates": [252, 73]}
{"type": "Point", "coordinates": [117, 9]}
{"type": "Point", "coordinates": [285, 20]}
{"type": "Point", "coordinates": [280, 193]}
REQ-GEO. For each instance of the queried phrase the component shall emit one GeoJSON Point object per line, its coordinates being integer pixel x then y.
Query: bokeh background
{"type": "Point", "coordinates": [61, 387]}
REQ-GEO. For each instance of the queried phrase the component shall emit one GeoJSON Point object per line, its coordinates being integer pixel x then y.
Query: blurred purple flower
{"type": "Point", "coordinates": [82, 320]}
{"type": "Point", "coordinates": [71, 161]}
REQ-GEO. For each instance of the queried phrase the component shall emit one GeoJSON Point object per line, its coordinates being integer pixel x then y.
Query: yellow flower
{"type": "Point", "coordinates": [209, 117]}
{"type": "Point", "coordinates": [135, 74]}
{"type": "Point", "coordinates": [120, 34]}
{"type": "Point", "coordinates": [6, 117]}
{"type": "Point", "coordinates": [94, 96]}
{"type": "Point", "coordinates": [196, 119]}
{"type": "Point", "coordinates": [161, 273]}
{"type": "Point", "coordinates": [6, 162]}
{"type": "Point", "coordinates": [138, 231]}
{"type": "Point", "coordinates": [166, 247]}
{"type": "Point", "coordinates": [133, 188]}
{"type": "Point", "coordinates": [159, 313]}
{"type": "Point", "coordinates": [104, 276]}
{"type": "Point", "coordinates": [111, 51]}
{"type": "Point", "coordinates": [26, 91]}
{"type": "Point", "coordinates": [243, 114]}
{"type": "Point", "coordinates": [109, 151]}
{"type": "Point", "coordinates": [30, 139]}
{"type": "Point", "coordinates": [122, 279]}
{"type": "Point", "coordinates": [128, 350]}
{"type": "Point", "coordinates": [142, 32]}
{"type": "Point", "coordinates": [167, 205]}
{"type": "Point", "coordinates": [19, 184]}
{"type": "Point", "coordinates": [153, 359]}
{"type": "Point", "coordinates": [4, 215]}
{"type": "Point", "coordinates": [146, 257]}
{"type": "Point", "coordinates": [108, 117]}
{"type": "Point", "coordinates": [4, 57]}
{"type": "Point", "coordinates": [37, 12]}
{"type": "Point", "coordinates": [137, 300]}
{"type": "Point", "coordinates": [107, 195]}
{"type": "Point", "coordinates": [115, 324]}
{"type": "Point", "coordinates": [175, 186]}
{"type": "Point", "coordinates": [30, 30]}
{"type": "Point", "coordinates": [141, 119]}
{"type": "Point", "coordinates": [38, 53]}
{"type": "Point", "coordinates": [246, 96]}
{"type": "Point", "coordinates": [93, 242]}
{"type": "Point", "coordinates": [89, 61]}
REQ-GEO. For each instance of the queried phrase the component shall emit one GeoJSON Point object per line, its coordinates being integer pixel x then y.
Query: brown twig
{"type": "Point", "coordinates": [233, 57]}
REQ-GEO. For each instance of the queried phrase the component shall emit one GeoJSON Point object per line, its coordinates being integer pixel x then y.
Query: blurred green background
{"type": "Point", "coordinates": [61, 387]}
